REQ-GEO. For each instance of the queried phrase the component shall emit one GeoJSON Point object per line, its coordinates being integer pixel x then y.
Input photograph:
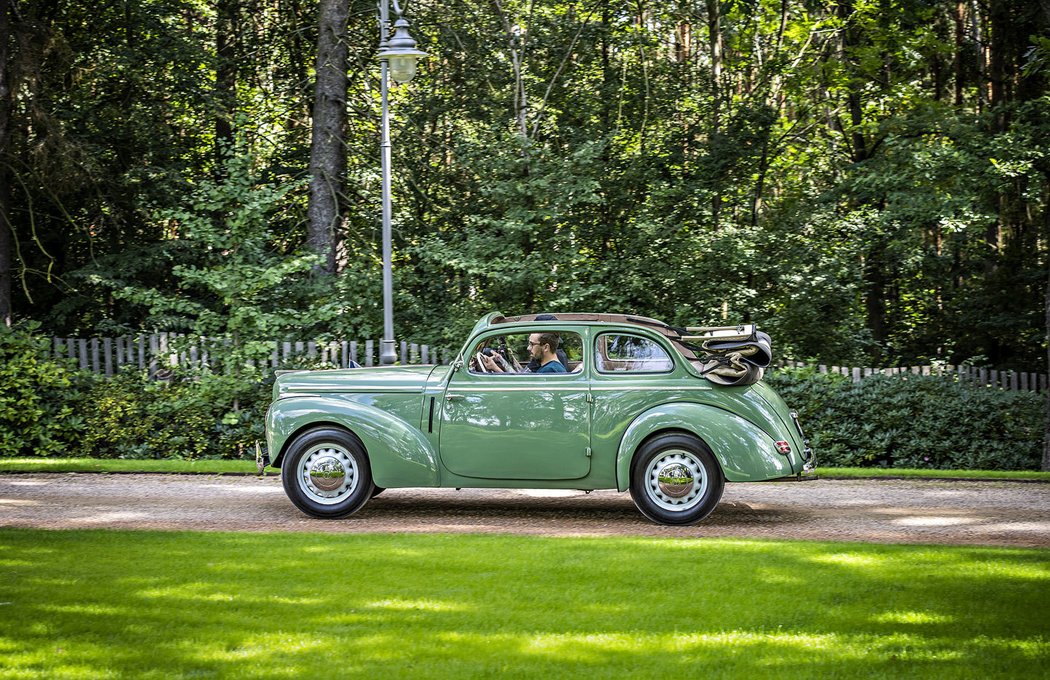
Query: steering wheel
{"type": "Point", "coordinates": [480, 359]}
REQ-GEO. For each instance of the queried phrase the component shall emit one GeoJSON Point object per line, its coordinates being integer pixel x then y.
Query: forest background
{"type": "Point", "coordinates": [866, 179]}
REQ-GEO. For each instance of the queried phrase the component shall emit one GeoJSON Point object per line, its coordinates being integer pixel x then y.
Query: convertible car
{"type": "Point", "coordinates": [669, 414]}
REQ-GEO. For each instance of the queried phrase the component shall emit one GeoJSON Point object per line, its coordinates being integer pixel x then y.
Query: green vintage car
{"type": "Point", "coordinates": [554, 401]}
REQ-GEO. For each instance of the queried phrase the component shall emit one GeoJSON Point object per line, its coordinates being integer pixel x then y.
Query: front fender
{"type": "Point", "coordinates": [399, 454]}
{"type": "Point", "coordinates": [744, 451]}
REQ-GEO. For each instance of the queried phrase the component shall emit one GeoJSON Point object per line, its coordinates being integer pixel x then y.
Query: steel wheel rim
{"type": "Point", "coordinates": [664, 485]}
{"type": "Point", "coordinates": [327, 474]}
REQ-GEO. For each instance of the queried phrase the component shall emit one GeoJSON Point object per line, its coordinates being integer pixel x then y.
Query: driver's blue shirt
{"type": "Point", "coordinates": [552, 366]}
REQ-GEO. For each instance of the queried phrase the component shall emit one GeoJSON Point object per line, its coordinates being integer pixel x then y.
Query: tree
{"type": "Point", "coordinates": [233, 280]}
{"type": "Point", "coordinates": [6, 105]}
{"type": "Point", "coordinates": [328, 150]}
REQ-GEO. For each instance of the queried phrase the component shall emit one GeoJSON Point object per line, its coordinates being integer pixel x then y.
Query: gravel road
{"type": "Point", "coordinates": [889, 511]}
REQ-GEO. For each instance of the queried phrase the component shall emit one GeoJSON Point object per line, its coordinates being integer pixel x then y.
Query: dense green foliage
{"type": "Point", "coordinates": [241, 278]}
{"type": "Point", "coordinates": [49, 407]}
{"type": "Point", "coordinates": [206, 416]}
{"type": "Point", "coordinates": [41, 403]}
{"type": "Point", "coordinates": [915, 422]}
{"type": "Point", "coordinates": [182, 605]}
{"type": "Point", "coordinates": [866, 178]}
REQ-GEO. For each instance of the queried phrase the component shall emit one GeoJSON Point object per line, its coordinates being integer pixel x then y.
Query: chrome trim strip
{"type": "Point", "coordinates": [535, 388]}
{"type": "Point", "coordinates": [661, 388]}
{"type": "Point", "coordinates": [353, 389]}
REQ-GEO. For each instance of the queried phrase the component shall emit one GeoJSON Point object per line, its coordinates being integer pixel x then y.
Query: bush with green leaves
{"type": "Point", "coordinates": [188, 417]}
{"type": "Point", "coordinates": [41, 397]}
{"type": "Point", "coordinates": [915, 421]}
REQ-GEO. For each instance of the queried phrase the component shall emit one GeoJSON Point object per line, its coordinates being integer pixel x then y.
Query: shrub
{"type": "Point", "coordinates": [192, 416]}
{"type": "Point", "coordinates": [915, 421]}
{"type": "Point", "coordinates": [41, 398]}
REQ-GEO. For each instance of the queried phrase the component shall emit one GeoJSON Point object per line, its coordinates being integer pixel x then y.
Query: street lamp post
{"type": "Point", "coordinates": [397, 60]}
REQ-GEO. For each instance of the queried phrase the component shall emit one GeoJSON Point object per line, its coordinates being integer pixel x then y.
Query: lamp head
{"type": "Point", "coordinates": [400, 53]}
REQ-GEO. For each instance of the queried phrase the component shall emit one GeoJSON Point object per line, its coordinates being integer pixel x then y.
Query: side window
{"type": "Point", "coordinates": [519, 353]}
{"type": "Point", "coordinates": [630, 354]}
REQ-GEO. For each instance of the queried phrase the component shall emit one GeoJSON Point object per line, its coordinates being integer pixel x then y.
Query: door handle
{"type": "Point", "coordinates": [454, 397]}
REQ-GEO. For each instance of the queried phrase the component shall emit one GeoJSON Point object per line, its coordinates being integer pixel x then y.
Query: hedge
{"type": "Point", "coordinates": [912, 421]}
{"type": "Point", "coordinates": [49, 408]}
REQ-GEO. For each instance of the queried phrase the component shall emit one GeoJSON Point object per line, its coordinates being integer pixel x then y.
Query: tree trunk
{"type": "Point", "coordinates": [714, 28]}
{"type": "Point", "coordinates": [6, 99]}
{"type": "Point", "coordinates": [328, 145]}
{"type": "Point", "coordinates": [514, 45]}
{"type": "Point", "coordinates": [977, 22]}
{"type": "Point", "coordinates": [960, 43]}
{"type": "Point", "coordinates": [226, 35]}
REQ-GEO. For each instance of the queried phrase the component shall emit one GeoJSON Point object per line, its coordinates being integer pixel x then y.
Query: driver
{"type": "Point", "coordinates": [543, 348]}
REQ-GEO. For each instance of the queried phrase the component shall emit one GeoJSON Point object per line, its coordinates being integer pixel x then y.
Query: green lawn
{"type": "Point", "coordinates": [97, 604]}
{"type": "Point", "coordinates": [22, 465]}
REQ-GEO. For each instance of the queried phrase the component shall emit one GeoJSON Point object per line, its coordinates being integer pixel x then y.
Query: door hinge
{"type": "Point", "coordinates": [588, 452]}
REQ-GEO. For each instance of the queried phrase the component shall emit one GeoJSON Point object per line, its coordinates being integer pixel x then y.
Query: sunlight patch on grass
{"type": "Point", "coordinates": [851, 560]}
{"type": "Point", "coordinates": [911, 617]}
{"type": "Point", "coordinates": [779, 577]}
{"type": "Point", "coordinates": [1013, 571]}
{"type": "Point", "coordinates": [597, 644]}
{"type": "Point", "coordinates": [416, 605]}
{"type": "Point", "coordinates": [81, 609]}
{"type": "Point", "coordinates": [203, 592]}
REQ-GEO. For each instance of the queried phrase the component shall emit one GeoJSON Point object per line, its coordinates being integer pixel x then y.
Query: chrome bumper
{"type": "Point", "coordinates": [809, 460]}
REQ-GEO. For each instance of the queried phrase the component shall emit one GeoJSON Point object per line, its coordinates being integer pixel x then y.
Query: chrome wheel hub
{"type": "Point", "coordinates": [327, 474]}
{"type": "Point", "coordinates": [676, 480]}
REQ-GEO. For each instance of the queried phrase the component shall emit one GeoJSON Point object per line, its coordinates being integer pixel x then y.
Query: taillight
{"type": "Point", "coordinates": [783, 447]}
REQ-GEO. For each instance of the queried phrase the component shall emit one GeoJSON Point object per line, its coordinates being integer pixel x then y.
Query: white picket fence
{"type": "Point", "coordinates": [987, 377]}
{"type": "Point", "coordinates": [162, 352]}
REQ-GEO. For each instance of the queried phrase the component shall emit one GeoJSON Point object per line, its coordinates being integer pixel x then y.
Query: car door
{"type": "Point", "coordinates": [517, 426]}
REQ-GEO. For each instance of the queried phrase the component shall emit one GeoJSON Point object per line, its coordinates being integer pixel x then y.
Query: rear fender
{"type": "Point", "coordinates": [744, 452]}
{"type": "Point", "coordinates": [399, 454]}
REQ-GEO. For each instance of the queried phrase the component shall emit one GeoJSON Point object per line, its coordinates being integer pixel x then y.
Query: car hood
{"type": "Point", "coordinates": [385, 379]}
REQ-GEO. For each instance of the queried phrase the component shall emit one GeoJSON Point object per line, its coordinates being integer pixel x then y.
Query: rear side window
{"type": "Point", "coordinates": [630, 354]}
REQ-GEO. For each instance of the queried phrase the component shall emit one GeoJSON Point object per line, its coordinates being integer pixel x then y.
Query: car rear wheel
{"type": "Point", "coordinates": [326, 473]}
{"type": "Point", "coordinates": [675, 479]}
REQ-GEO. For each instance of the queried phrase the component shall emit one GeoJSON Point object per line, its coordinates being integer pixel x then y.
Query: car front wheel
{"type": "Point", "coordinates": [675, 479]}
{"type": "Point", "coordinates": [326, 473]}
